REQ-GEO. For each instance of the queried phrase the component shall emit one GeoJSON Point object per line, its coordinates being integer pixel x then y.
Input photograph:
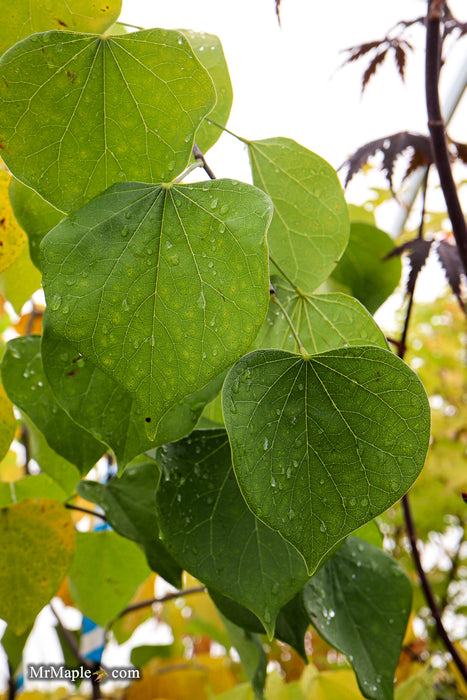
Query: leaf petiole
{"type": "Point", "coordinates": [286, 276]}
{"type": "Point", "coordinates": [303, 351]}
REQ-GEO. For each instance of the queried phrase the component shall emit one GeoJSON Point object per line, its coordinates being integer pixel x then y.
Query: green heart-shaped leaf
{"type": "Point", "coordinates": [321, 446]}
{"type": "Point", "coordinates": [102, 406]}
{"type": "Point", "coordinates": [323, 322]}
{"type": "Point", "coordinates": [163, 287]}
{"type": "Point", "coordinates": [310, 228]}
{"type": "Point", "coordinates": [111, 108]}
{"type": "Point", "coordinates": [27, 386]}
{"type": "Point", "coordinates": [208, 49]}
{"type": "Point", "coordinates": [37, 542]}
{"type": "Point", "coordinates": [24, 17]}
{"type": "Point", "coordinates": [208, 528]}
{"type": "Point", "coordinates": [360, 603]}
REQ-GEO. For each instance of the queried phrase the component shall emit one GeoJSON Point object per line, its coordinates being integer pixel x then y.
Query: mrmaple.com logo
{"type": "Point", "coordinates": [56, 672]}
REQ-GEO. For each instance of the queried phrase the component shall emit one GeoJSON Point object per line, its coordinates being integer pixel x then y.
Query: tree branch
{"type": "Point", "coordinates": [153, 601]}
{"type": "Point", "coordinates": [200, 156]}
{"type": "Point", "coordinates": [437, 128]}
{"type": "Point", "coordinates": [70, 506]}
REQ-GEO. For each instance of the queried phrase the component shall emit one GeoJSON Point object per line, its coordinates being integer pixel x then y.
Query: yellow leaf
{"type": "Point", "coordinates": [12, 236]}
{"type": "Point", "coordinates": [31, 323]}
{"type": "Point", "coordinates": [20, 280]}
{"type": "Point", "coordinates": [9, 468]}
{"type": "Point", "coordinates": [7, 423]}
{"type": "Point", "coordinates": [329, 685]}
{"type": "Point", "coordinates": [179, 679]}
{"type": "Point", "coordinates": [37, 542]}
{"type": "Point", "coordinates": [462, 685]}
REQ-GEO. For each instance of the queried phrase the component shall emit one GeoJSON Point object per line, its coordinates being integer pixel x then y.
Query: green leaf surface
{"type": "Point", "coordinates": [252, 655]}
{"type": "Point", "coordinates": [323, 322]}
{"type": "Point", "coordinates": [7, 423]}
{"type": "Point", "coordinates": [102, 406]}
{"type": "Point", "coordinates": [110, 109]}
{"type": "Point", "coordinates": [23, 17]}
{"type": "Point", "coordinates": [32, 486]}
{"type": "Point", "coordinates": [27, 386]}
{"type": "Point", "coordinates": [208, 528]}
{"type": "Point", "coordinates": [291, 621]}
{"type": "Point", "coordinates": [141, 655]}
{"type": "Point", "coordinates": [362, 272]}
{"type": "Point", "coordinates": [360, 603]}
{"type": "Point", "coordinates": [310, 228]}
{"type": "Point", "coordinates": [105, 573]}
{"type": "Point", "coordinates": [321, 446]}
{"type": "Point", "coordinates": [129, 503]}
{"type": "Point", "coordinates": [162, 287]}
{"type": "Point", "coordinates": [208, 49]}
{"type": "Point", "coordinates": [63, 472]}
{"type": "Point", "coordinates": [37, 540]}
{"type": "Point", "coordinates": [35, 216]}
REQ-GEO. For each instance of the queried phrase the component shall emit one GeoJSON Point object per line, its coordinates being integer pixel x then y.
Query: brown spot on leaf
{"type": "Point", "coordinates": [71, 76]}
{"type": "Point", "coordinates": [61, 22]}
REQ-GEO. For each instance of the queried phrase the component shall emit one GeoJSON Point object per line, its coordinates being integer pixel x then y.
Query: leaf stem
{"type": "Point", "coordinates": [224, 128]}
{"type": "Point", "coordinates": [286, 277]}
{"type": "Point", "coordinates": [70, 506]}
{"type": "Point", "coordinates": [187, 171]}
{"type": "Point", "coordinates": [305, 354]}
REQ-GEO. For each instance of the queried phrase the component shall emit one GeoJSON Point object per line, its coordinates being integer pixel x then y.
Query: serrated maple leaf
{"type": "Point", "coordinates": [417, 251]}
{"type": "Point", "coordinates": [448, 256]}
{"type": "Point", "coordinates": [391, 147]}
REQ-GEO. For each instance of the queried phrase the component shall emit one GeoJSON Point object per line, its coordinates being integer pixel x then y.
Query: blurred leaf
{"type": "Point", "coordinates": [64, 473]}
{"type": "Point", "coordinates": [124, 627]}
{"type": "Point", "coordinates": [329, 685]}
{"type": "Point", "coordinates": [34, 214]}
{"type": "Point", "coordinates": [37, 538]}
{"type": "Point", "coordinates": [12, 236]}
{"type": "Point", "coordinates": [7, 423]}
{"type": "Point", "coordinates": [140, 656]}
{"type": "Point", "coordinates": [32, 486]}
{"type": "Point", "coordinates": [363, 270]}
{"type": "Point", "coordinates": [252, 655]}
{"type": "Point", "coordinates": [13, 645]}
{"type": "Point", "coordinates": [20, 280]}
{"type": "Point", "coordinates": [105, 573]}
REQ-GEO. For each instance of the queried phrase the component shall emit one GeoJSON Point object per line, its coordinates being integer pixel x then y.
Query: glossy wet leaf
{"type": "Point", "coordinates": [12, 236]}
{"type": "Point", "coordinates": [27, 386]}
{"type": "Point", "coordinates": [34, 215]}
{"type": "Point", "coordinates": [129, 503]}
{"type": "Point", "coordinates": [360, 603]}
{"type": "Point", "coordinates": [310, 228]}
{"type": "Point", "coordinates": [103, 407]}
{"type": "Point", "coordinates": [208, 50]}
{"type": "Point", "coordinates": [208, 528]}
{"type": "Point", "coordinates": [291, 621]}
{"type": "Point", "coordinates": [362, 270]}
{"type": "Point", "coordinates": [252, 655]}
{"type": "Point", "coordinates": [162, 287]}
{"type": "Point", "coordinates": [321, 446]}
{"type": "Point", "coordinates": [105, 573]}
{"type": "Point", "coordinates": [110, 108]}
{"type": "Point", "coordinates": [23, 17]}
{"type": "Point", "coordinates": [323, 322]}
{"type": "Point", "coordinates": [19, 282]}
{"type": "Point", "coordinates": [37, 542]}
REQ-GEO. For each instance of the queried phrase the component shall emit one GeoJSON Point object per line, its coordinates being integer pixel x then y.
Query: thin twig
{"type": "Point", "coordinates": [200, 156]}
{"type": "Point", "coordinates": [11, 683]}
{"type": "Point", "coordinates": [437, 128]}
{"type": "Point", "coordinates": [70, 506]}
{"type": "Point", "coordinates": [153, 601]}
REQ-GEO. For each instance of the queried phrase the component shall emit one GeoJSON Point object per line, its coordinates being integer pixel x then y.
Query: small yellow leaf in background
{"type": "Point", "coordinates": [10, 470]}
{"type": "Point", "coordinates": [37, 543]}
{"type": "Point", "coordinates": [329, 685]}
{"type": "Point", "coordinates": [126, 625]}
{"type": "Point", "coordinates": [7, 423]}
{"type": "Point", "coordinates": [12, 237]}
{"type": "Point", "coordinates": [30, 323]}
{"type": "Point", "coordinates": [20, 280]}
